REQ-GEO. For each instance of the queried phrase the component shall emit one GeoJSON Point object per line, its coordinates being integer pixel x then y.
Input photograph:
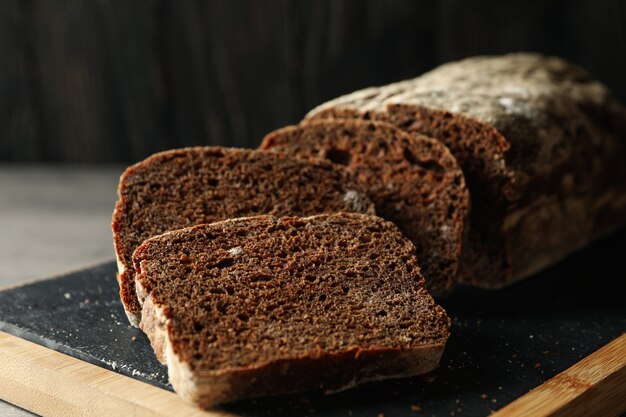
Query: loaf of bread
{"type": "Point", "coordinates": [263, 305]}
{"type": "Point", "coordinates": [541, 144]}
{"type": "Point", "coordinates": [413, 180]}
{"type": "Point", "coordinates": [185, 187]}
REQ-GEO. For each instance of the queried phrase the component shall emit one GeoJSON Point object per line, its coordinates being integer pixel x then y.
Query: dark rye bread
{"type": "Point", "coordinates": [541, 145]}
{"type": "Point", "coordinates": [185, 187]}
{"type": "Point", "coordinates": [413, 180]}
{"type": "Point", "coordinates": [261, 305]}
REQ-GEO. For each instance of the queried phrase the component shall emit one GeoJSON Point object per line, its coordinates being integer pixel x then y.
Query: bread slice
{"type": "Point", "coordinates": [261, 305]}
{"type": "Point", "coordinates": [413, 180]}
{"type": "Point", "coordinates": [184, 187]}
{"type": "Point", "coordinates": [541, 144]}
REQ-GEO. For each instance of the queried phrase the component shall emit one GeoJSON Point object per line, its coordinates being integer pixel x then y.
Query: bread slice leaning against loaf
{"type": "Point", "coordinates": [413, 180]}
{"type": "Point", "coordinates": [184, 187]}
{"type": "Point", "coordinates": [542, 146]}
{"type": "Point", "coordinates": [256, 306]}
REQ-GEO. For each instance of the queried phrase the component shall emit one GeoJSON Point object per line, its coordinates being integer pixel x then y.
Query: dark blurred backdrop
{"type": "Point", "coordinates": [113, 81]}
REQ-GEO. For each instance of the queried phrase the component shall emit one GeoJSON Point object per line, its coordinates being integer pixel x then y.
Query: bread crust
{"type": "Point", "coordinates": [540, 142]}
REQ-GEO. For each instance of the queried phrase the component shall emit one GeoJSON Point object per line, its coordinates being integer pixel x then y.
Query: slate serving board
{"type": "Point", "coordinates": [503, 343]}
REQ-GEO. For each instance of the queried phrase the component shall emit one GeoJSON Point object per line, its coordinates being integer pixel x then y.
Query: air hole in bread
{"type": "Point", "coordinates": [224, 263]}
{"type": "Point", "coordinates": [339, 156]}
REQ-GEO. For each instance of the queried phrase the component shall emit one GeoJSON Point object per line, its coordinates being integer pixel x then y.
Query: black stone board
{"type": "Point", "coordinates": [503, 343]}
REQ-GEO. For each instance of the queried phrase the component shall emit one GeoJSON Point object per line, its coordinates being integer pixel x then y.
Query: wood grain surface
{"type": "Point", "coordinates": [595, 386]}
{"type": "Point", "coordinates": [50, 383]}
{"type": "Point", "coordinates": [116, 80]}
{"type": "Point", "coordinates": [53, 384]}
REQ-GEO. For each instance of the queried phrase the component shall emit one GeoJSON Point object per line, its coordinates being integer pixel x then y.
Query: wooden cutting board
{"type": "Point", "coordinates": [67, 350]}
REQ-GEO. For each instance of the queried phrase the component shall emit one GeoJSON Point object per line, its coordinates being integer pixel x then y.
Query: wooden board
{"type": "Point", "coordinates": [53, 384]}
{"type": "Point", "coordinates": [503, 345]}
{"type": "Point", "coordinates": [32, 374]}
{"type": "Point", "coordinates": [594, 386]}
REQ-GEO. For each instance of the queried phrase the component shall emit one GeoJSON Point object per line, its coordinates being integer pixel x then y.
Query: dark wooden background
{"type": "Point", "coordinates": [115, 80]}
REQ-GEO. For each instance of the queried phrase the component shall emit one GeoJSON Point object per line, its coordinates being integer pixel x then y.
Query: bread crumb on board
{"type": "Point", "coordinates": [429, 377]}
{"type": "Point", "coordinates": [416, 408]}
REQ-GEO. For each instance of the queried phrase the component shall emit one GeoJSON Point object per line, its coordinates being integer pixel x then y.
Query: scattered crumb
{"type": "Point", "coordinates": [67, 295]}
{"type": "Point", "coordinates": [493, 400]}
{"type": "Point", "coordinates": [381, 415]}
{"type": "Point", "coordinates": [538, 365]}
{"type": "Point", "coordinates": [484, 396]}
{"type": "Point", "coordinates": [428, 377]}
{"type": "Point", "coordinates": [531, 336]}
{"type": "Point", "coordinates": [416, 408]}
{"type": "Point", "coordinates": [134, 338]}
{"type": "Point", "coordinates": [545, 352]}
{"type": "Point", "coordinates": [514, 355]}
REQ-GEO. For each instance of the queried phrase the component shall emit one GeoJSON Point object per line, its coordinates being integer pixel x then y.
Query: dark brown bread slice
{"type": "Point", "coordinates": [413, 180]}
{"type": "Point", "coordinates": [185, 187]}
{"type": "Point", "coordinates": [542, 146]}
{"type": "Point", "coordinates": [261, 305]}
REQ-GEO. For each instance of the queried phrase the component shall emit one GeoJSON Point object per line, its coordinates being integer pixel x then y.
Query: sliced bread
{"type": "Point", "coordinates": [257, 306]}
{"type": "Point", "coordinates": [413, 180]}
{"type": "Point", "coordinates": [185, 187]}
{"type": "Point", "coordinates": [541, 144]}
